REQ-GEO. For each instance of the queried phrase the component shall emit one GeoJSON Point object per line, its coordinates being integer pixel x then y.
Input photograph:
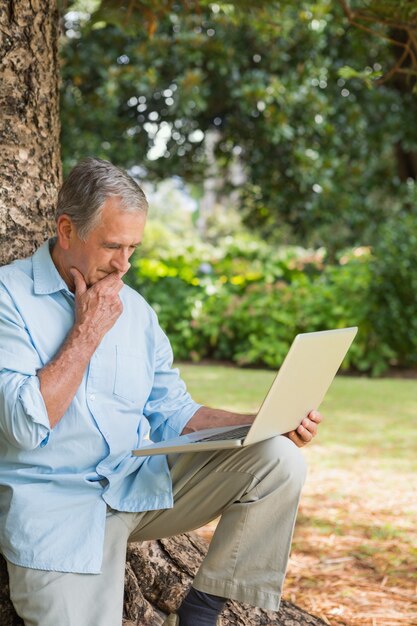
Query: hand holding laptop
{"type": "Point", "coordinates": [306, 430]}
{"type": "Point", "coordinates": [207, 417]}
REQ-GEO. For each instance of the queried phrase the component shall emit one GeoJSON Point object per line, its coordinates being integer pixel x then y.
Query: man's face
{"type": "Point", "coordinates": [109, 245]}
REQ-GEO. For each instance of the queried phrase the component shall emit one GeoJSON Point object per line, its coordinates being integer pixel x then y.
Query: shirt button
{"type": "Point", "coordinates": [92, 396]}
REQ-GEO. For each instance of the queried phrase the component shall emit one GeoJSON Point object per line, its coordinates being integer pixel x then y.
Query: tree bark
{"type": "Point", "coordinates": [29, 124]}
{"type": "Point", "coordinates": [158, 574]}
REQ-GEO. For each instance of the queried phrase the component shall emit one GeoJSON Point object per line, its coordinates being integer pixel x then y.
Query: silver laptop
{"type": "Point", "coordinates": [299, 387]}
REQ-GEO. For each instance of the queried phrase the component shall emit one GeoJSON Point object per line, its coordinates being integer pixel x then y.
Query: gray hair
{"type": "Point", "coordinates": [88, 186]}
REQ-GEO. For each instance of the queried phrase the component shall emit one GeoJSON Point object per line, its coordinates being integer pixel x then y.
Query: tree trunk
{"type": "Point", "coordinates": [29, 124]}
{"type": "Point", "coordinates": [158, 573]}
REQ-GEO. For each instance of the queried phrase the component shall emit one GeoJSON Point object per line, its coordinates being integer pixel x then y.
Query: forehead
{"type": "Point", "coordinates": [117, 222]}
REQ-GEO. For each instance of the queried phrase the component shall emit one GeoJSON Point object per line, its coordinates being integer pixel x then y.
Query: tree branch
{"type": "Point", "coordinates": [412, 36]}
{"type": "Point", "coordinates": [394, 42]}
{"type": "Point", "coordinates": [407, 71]}
{"type": "Point", "coordinates": [374, 17]}
{"type": "Point", "coordinates": [396, 67]}
{"type": "Point", "coordinates": [346, 9]}
{"type": "Point", "coordinates": [386, 22]}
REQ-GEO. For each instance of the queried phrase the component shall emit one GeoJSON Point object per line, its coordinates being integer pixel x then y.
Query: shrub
{"type": "Point", "coordinates": [244, 302]}
{"type": "Point", "coordinates": [393, 292]}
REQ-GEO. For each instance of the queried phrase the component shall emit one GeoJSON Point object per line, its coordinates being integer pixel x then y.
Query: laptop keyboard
{"type": "Point", "coordinates": [236, 433]}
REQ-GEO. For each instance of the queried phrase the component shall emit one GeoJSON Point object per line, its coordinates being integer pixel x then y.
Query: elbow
{"type": "Point", "coordinates": [24, 420]}
{"type": "Point", "coordinates": [29, 438]}
{"type": "Point", "coordinates": [23, 431]}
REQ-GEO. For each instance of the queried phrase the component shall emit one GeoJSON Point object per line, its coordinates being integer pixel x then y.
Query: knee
{"type": "Point", "coordinates": [287, 462]}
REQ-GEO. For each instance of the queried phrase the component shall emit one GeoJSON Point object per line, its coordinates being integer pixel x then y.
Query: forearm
{"type": "Point", "coordinates": [61, 377]}
{"type": "Point", "coordinates": [206, 417]}
{"type": "Point", "coordinates": [96, 310]}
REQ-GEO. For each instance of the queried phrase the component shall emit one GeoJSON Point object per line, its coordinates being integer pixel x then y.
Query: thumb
{"type": "Point", "coordinates": [79, 282]}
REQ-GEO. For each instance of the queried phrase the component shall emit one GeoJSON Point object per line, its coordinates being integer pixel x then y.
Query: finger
{"type": "Point", "coordinates": [114, 279]}
{"type": "Point", "coordinates": [295, 438]}
{"type": "Point", "coordinates": [79, 282]}
{"type": "Point", "coordinates": [315, 416]}
{"type": "Point", "coordinates": [310, 426]}
{"type": "Point", "coordinates": [112, 283]}
{"type": "Point", "coordinates": [304, 434]}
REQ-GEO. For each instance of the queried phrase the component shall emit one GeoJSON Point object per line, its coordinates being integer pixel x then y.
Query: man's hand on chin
{"type": "Point", "coordinates": [306, 430]}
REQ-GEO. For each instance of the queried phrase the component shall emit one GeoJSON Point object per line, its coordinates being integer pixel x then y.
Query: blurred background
{"type": "Point", "coordinates": [277, 144]}
{"type": "Point", "coordinates": [278, 147]}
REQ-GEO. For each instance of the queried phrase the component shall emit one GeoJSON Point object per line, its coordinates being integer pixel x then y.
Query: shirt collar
{"type": "Point", "coordinates": [46, 278]}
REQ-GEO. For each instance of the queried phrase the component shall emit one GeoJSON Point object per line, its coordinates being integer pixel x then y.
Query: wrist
{"type": "Point", "coordinates": [85, 336]}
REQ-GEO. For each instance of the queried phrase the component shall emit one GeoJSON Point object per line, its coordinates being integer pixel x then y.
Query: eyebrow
{"type": "Point", "coordinates": [117, 243]}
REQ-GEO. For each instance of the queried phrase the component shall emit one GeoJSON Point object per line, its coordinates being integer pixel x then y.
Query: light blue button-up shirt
{"type": "Point", "coordinates": [55, 484]}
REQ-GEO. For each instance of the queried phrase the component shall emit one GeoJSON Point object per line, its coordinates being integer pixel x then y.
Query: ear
{"type": "Point", "coordinates": [66, 231]}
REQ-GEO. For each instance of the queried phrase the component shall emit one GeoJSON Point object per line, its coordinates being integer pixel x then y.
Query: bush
{"type": "Point", "coordinates": [393, 314]}
{"type": "Point", "coordinates": [244, 302]}
{"type": "Point", "coordinates": [257, 327]}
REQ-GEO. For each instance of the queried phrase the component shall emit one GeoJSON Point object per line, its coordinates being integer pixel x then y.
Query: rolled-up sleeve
{"type": "Point", "coordinates": [24, 419]}
{"type": "Point", "coordinates": [169, 406]}
{"type": "Point", "coordinates": [23, 416]}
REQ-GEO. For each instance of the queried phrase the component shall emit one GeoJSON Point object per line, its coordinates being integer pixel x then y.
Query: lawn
{"type": "Point", "coordinates": [354, 558]}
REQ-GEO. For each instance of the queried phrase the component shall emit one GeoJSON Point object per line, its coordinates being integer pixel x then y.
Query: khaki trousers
{"type": "Point", "coordinates": [255, 489]}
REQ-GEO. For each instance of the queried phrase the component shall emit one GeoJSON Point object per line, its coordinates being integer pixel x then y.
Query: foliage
{"type": "Point", "coordinates": [394, 280]}
{"type": "Point", "coordinates": [263, 83]}
{"type": "Point", "coordinates": [397, 11]}
{"type": "Point", "coordinates": [244, 301]}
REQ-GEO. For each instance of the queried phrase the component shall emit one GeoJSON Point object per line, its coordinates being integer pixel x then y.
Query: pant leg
{"type": "Point", "coordinates": [44, 598]}
{"type": "Point", "coordinates": [257, 490]}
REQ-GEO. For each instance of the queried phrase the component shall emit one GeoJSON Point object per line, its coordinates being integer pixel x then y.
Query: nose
{"type": "Point", "coordinates": [120, 261]}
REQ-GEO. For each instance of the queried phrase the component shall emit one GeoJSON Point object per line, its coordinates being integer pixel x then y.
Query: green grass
{"type": "Point", "coordinates": [367, 421]}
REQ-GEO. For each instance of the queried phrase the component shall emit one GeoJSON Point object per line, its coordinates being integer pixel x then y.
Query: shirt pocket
{"type": "Point", "coordinates": [131, 377]}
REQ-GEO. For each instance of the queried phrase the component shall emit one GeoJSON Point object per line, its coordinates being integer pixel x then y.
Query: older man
{"type": "Point", "coordinates": [85, 376]}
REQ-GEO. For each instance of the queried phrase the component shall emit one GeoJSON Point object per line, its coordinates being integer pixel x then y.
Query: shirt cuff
{"type": "Point", "coordinates": [175, 424]}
